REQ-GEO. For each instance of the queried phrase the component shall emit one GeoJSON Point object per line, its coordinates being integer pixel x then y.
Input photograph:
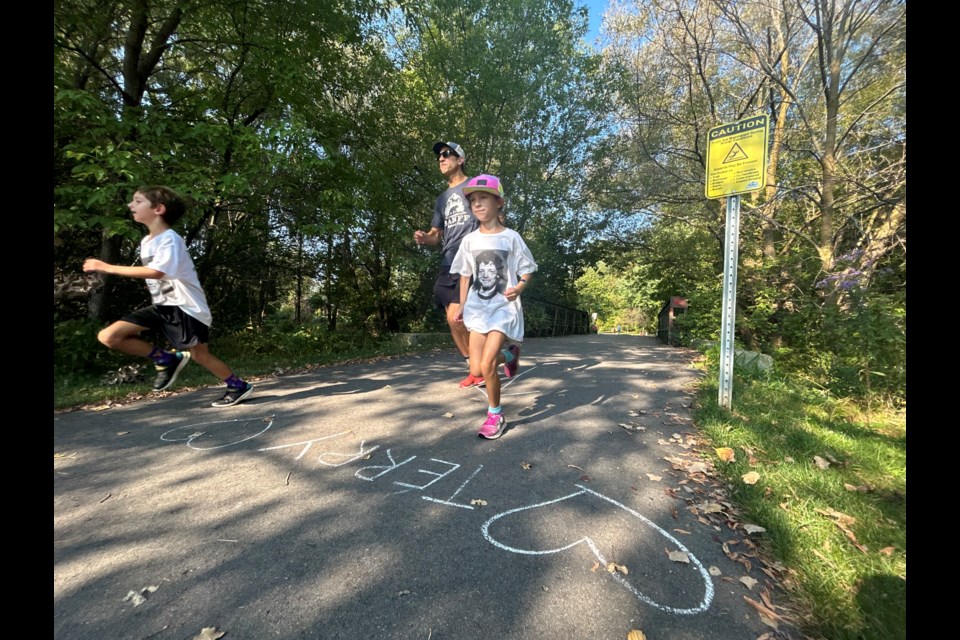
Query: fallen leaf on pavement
{"type": "Point", "coordinates": [747, 580]}
{"type": "Point", "coordinates": [714, 571]}
{"type": "Point", "coordinates": [636, 634]}
{"type": "Point", "coordinates": [122, 433]}
{"type": "Point", "coordinates": [678, 556]}
{"type": "Point", "coordinates": [585, 478]}
{"type": "Point", "coordinates": [751, 477]}
{"type": "Point", "coordinates": [209, 633]}
{"type": "Point", "coordinates": [726, 454]}
{"type": "Point", "coordinates": [767, 616]}
{"type": "Point", "coordinates": [613, 566]}
{"type": "Point", "coordinates": [752, 528]}
{"type": "Point", "coordinates": [654, 478]}
{"type": "Point", "coordinates": [139, 597]}
{"type": "Point", "coordinates": [526, 465]}
{"type": "Point", "coordinates": [478, 502]}
{"type": "Point", "coordinates": [682, 531]}
{"type": "Point", "coordinates": [697, 467]}
{"type": "Point", "coordinates": [448, 415]}
{"type": "Point", "coordinates": [820, 462]}
{"type": "Point", "coordinates": [712, 507]}
{"type": "Point", "coordinates": [765, 596]}
{"type": "Point", "coordinates": [596, 565]}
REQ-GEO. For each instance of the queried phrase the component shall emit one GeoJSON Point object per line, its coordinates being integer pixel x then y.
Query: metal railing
{"type": "Point", "coordinates": [546, 319]}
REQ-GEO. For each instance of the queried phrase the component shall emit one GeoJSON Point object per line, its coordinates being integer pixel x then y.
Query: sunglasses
{"type": "Point", "coordinates": [446, 153]}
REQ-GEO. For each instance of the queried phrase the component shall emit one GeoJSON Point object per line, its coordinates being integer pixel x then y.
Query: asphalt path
{"type": "Point", "coordinates": [356, 501]}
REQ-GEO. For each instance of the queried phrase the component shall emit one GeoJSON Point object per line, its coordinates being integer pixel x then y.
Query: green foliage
{"type": "Point", "coordinates": [536, 320]}
{"type": "Point", "coordinates": [870, 352]}
{"type": "Point", "coordinates": [601, 291]}
{"type": "Point", "coordinates": [76, 348]}
{"type": "Point", "coordinates": [840, 143]}
{"type": "Point", "coordinates": [311, 342]}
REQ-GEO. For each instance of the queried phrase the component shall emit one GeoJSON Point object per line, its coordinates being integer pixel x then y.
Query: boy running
{"type": "Point", "coordinates": [179, 308]}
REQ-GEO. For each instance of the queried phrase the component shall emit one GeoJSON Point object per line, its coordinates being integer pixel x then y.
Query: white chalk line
{"type": "Point", "coordinates": [189, 439]}
{"type": "Point", "coordinates": [308, 443]}
{"type": "Point", "coordinates": [506, 382]}
{"type": "Point", "coordinates": [353, 457]}
{"type": "Point", "coordinates": [454, 466]}
{"type": "Point", "coordinates": [386, 468]}
{"type": "Point", "coordinates": [448, 501]}
{"type": "Point", "coordinates": [708, 583]}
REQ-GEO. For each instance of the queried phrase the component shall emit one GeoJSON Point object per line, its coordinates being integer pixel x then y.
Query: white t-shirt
{"type": "Point", "coordinates": [179, 287]}
{"type": "Point", "coordinates": [495, 260]}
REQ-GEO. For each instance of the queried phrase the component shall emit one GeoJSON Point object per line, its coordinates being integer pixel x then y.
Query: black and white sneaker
{"type": "Point", "coordinates": [167, 374]}
{"type": "Point", "coordinates": [234, 396]}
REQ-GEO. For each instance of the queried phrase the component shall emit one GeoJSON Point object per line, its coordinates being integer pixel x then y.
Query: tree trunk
{"type": "Point", "coordinates": [99, 298]}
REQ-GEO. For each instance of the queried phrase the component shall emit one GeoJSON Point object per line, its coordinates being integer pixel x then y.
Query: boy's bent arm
{"type": "Point", "coordinates": [92, 264]}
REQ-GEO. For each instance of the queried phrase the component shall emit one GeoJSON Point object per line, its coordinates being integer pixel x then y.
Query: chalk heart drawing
{"type": "Point", "coordinates": [203, 436]}
{"type": "Point", "coordinates": [586, 540]}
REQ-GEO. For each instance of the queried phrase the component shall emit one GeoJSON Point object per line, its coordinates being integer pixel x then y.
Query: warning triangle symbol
{"type": "Point", "coordinates": [736, 154]}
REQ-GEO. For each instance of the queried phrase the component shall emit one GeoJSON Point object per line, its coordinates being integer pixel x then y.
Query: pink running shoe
{"type": "Point", "coordinates": [510, 368]}
{"type": "Point", "coordinates": [493, 426]}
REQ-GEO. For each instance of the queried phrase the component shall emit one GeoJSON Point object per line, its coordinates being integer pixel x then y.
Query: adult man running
{"type": "Point", "coordinates": [452, 220]}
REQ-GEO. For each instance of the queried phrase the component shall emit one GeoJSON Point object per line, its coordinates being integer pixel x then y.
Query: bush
{"type": "Point", "coordinates": [303, 341]}
{"type": "Point", "coordinates": [76, 349]}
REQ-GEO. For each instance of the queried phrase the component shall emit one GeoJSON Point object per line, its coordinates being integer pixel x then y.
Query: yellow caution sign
{"type": "Point", "coordinates": [737, 157]}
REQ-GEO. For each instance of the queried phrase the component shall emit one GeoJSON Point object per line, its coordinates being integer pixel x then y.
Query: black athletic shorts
{"type": "Point", "coordinates": [181, 329]}
{"type": "Point", "coordinates": [446, 290]}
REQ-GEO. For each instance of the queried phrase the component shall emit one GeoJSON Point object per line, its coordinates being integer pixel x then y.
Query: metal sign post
{"type": "Point", "coordinates": [731, 251]}
{"type": "Point", "coordinates": [736, 163]}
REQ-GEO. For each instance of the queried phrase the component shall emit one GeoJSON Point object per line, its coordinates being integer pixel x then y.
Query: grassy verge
{"type": "Point", "coordinates": [831, 495]}
{"type": "Point", "coordinates": [250, 355]}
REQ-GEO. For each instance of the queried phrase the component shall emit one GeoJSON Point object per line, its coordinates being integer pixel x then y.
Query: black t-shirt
{"type": "Point", "coordinates": [452, 215]}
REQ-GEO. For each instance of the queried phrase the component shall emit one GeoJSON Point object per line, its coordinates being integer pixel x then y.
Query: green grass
{"type": "Point", "coordinates": [847, 592]}
{"type": "Point", "coordinates": [251, 354]}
